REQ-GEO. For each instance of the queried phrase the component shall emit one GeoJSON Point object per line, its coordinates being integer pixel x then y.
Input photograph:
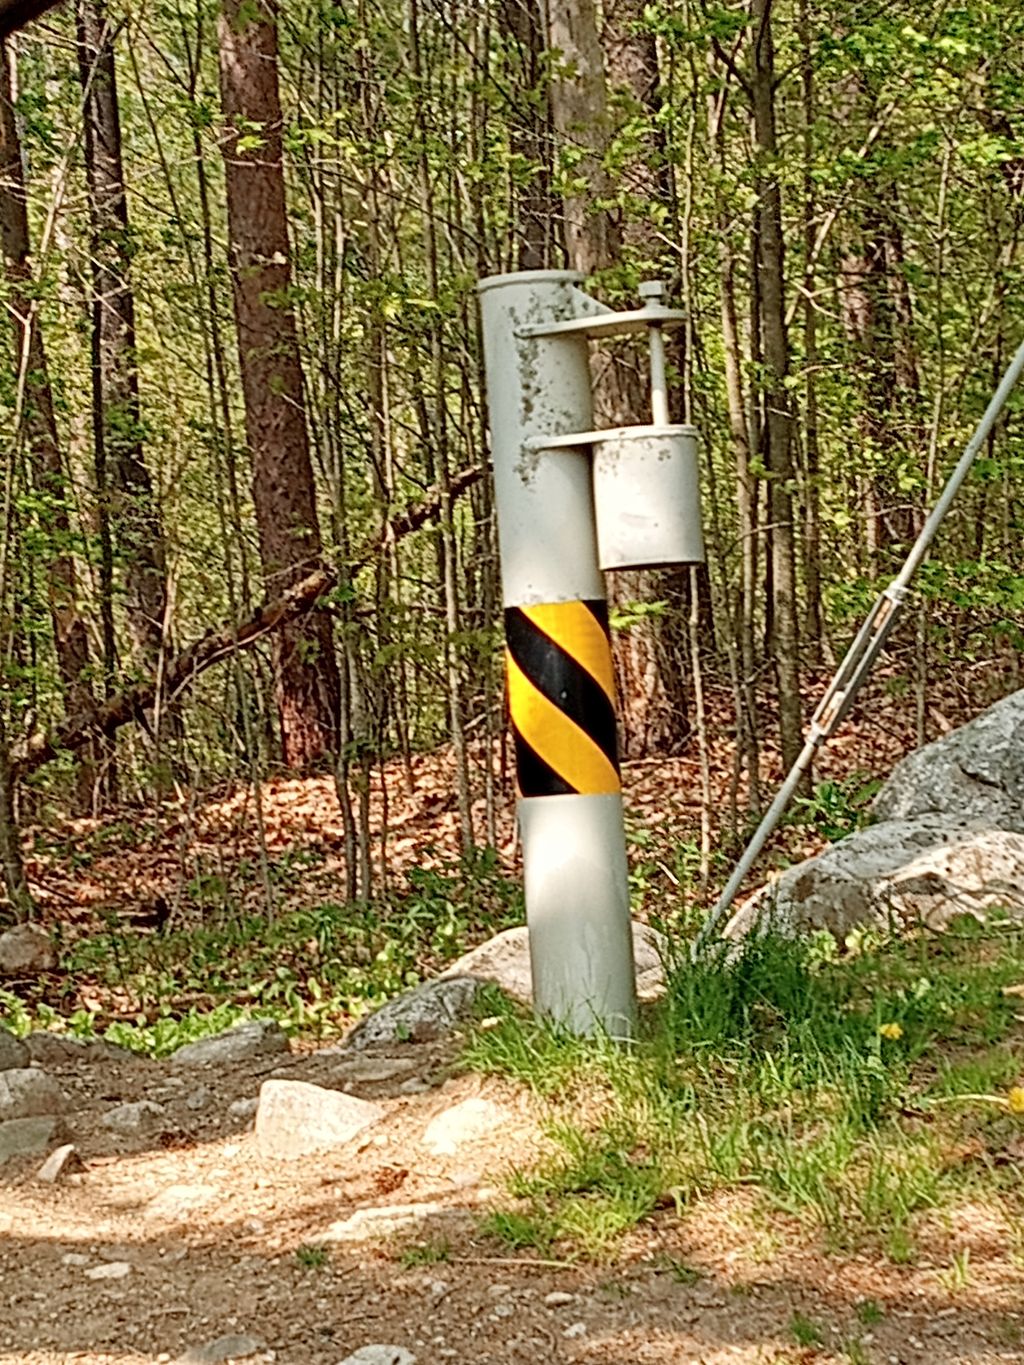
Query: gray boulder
{"type": "Point", "coordinates": [27, 1093]}
{"type": "Point", "coordinates": [254, 1038]}
{"type": "Point", "coordinates": [504, 961]}
{"type": "Point", "coordinates": [972, 776]}
{"type": "Point", "coordinates": [29, 1137]}
{"type": "Point", "coordinates": [58, 1049]}
{"type": "Point", "coordinates": [136, 1118]}
{"type": "Point", "coordinates": [893, 876]}
{"type": "Point", "coordinates": [13, 1052]}
{"type": "Point", "coordinates": [421, 1015]}
{"type": "Point", "coordinates": [295, 1119]}
{"type": "Point", "coordinates": [26, 949]}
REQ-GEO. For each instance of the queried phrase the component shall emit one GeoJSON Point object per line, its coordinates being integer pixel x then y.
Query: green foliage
{"type": "Point", "coordinates": [837, 809]}
{"type": "Point", "coordinates": [314, 970]}
{"type": "Point", "coordinates": [788, 1068]}
{"type": "Point", "coordinates": [313, 1255]}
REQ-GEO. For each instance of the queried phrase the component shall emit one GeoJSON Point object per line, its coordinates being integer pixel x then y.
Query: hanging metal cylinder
{"type": "Point", "coordinates": [647, 497]}
{"type": "Point", "coordinates": [558, 654]}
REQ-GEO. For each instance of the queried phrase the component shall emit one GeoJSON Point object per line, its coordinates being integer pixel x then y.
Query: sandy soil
{"type": "Point", "coordinates": [211, 1233]}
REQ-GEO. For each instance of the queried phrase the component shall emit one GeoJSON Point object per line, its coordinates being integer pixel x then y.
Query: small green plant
{"type": "Point", "coordinates": [855, 1352]}
{"type": "Point", "coordinates": [680, 1271]}
{"type": "Point", "coordinates": [958, 1276]}
{"type": "Point", "coordinates": [425, 1253]}
{"type": "Point", "coordinates": [836, 809]}
{"type": "Point", "coordinates": [805, 1332]}
{"type": "Point", "coordinates": [869, 1312]}
{"type": "Point", "coordinates": [518, 1230]}
{"type": "Point", "coordinates": [312, 1255]}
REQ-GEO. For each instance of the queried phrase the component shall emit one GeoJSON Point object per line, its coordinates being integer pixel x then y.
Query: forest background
{"type": "Point", "coordinates": [246, 532]}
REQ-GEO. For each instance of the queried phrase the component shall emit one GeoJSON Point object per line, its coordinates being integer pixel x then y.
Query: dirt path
{"type": "Point", "coordinates": [216, 1242]}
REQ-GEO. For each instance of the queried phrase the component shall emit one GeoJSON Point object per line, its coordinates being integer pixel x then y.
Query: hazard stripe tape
{"type": "Point", "coordinates": [561, 695]}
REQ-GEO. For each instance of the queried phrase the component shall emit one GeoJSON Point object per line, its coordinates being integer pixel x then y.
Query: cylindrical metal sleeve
{"type": "Point", "coordinates": [562, 699]}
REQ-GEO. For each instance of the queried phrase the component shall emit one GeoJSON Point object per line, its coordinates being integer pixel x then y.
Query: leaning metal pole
{"type": "Point", "coordinates": [861, 655]}
{"type": "Point", "coordinates": [558, 655]}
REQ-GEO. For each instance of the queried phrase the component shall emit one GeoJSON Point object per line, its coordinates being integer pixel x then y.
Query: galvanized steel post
{"type": "Point", "coordinates": [559, 659]}
{"type": "Point", "coordinates": [571, 502]}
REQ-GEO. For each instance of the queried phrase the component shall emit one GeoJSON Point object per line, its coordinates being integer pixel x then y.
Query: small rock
{"type": "Point", "coordinates": [295, 1118]}
{"type": "Point", "coordinates": [224, 1348]}
{"type": "Point", "coordinates": [199, 1099]}
{"type": "Point", "coordinates": [110, 1270]}
{"type": "Point", "coordinates": [366, 1224]}
{"type": "Point", "coordinates": [254, 1038]}
{"type": "Point", "coordinates": [431, 1011]}
{"type": "Point", "coordinates": [244, 1109]}
{"type": "Point", "coordinates": [473, 1118]}
{"type": "Point", "coordinates": [26, 949]}
{"type": "Point", "coordinates": [578, 1329]}
{"type": "Point", "coordinates": [136, 1118]}
{"type": "Point", "coordinates": [380, 1355]}
{"type": "Point", "coordinates": [558, 1298]}
{"type": "Point", "coordinates": [13, 1052]}
{"type": "Point", "coordinates": [26, 1093]}
{"type": "Point", "coordinates": [63, 1161]}
{"type": "Point", "coordinates": [74, 1258]}
{"type": "Point", "coordinates": [415, 1085]}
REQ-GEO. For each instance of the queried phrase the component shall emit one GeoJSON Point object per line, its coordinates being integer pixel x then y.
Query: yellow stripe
{"type": "Point", "coordinates": [558, 740]}
{"type": "Point", "coordinates": [574, 627]}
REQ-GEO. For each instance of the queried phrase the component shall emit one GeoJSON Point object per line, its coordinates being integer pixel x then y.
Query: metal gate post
{"type": "Point", "coordinates": [561, 692]}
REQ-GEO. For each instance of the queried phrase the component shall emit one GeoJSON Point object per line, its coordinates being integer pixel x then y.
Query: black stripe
{"type": "Point", "coordinates": [599, 611]}
{"type": "Point", "coordinates": [565, 683]}
{"type": "Point", "coordinates": [537, 778]}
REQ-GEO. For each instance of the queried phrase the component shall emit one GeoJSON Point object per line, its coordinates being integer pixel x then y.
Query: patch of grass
{"type": "Point", "coordinates": [518, 1231]}
{"type": "Point", "coordinates": [817, 1074]}
{"type": "Point", "coordinates": [314, 970]}
{"type": "Point", "coordinates": [425, 1253]}
{"type": "Point", "coordinates": [805, 1332]}
{"type": "Point", "coordinates": [313, 1255]}
{"type": "Point", "coordinates": [855, 1352]}
{"type": "Point", "coordinates": [680, 1271]}
{"type": "Point", "coordinates": [869, 1312]}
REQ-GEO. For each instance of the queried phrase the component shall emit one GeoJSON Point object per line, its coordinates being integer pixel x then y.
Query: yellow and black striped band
{"type": "Point", "coordinates": [562, 699]}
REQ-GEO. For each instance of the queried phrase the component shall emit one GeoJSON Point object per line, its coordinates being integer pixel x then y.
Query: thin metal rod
{"type": "Point", "coordinates": [659, 380]}
{"type": "Point", "coordinates": [863, 652]}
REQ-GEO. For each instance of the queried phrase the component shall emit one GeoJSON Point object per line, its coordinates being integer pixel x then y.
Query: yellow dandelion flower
{"type": "Point", "coordinates": [1015, 1099]}
{"type": "Point", "coordinates": [893, 1032]}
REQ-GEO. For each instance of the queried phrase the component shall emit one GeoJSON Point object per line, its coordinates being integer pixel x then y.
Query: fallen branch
{"type": "Point", "coordinates": [220, 642]}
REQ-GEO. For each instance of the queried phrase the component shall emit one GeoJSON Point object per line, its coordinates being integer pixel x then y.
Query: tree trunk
{"type": "Point", "coordinates": [535, 210]}
{"type": "Point", "coordinates": [125, 486]}
{"type": "Point", "coordinates": [771, 276]}
{"type": "Point", "coordinates": [71, 642]}
{"type": "Point", "coordinates": [283, 490]}
{"type": "Point", "coordinates": [651, 653]}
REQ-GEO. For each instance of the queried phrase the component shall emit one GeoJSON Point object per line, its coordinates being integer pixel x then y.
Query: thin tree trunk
{"type": "Point", "coordinates": [306, 674]}
{"type": "Point", "coordinates": [124, 480]}
{"type": "Point", "coordinates": [771, 270]}
{"type": "Point", "coordinates": [651, 655]}
{"type": "Point", "coordinates": [71, 641]}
